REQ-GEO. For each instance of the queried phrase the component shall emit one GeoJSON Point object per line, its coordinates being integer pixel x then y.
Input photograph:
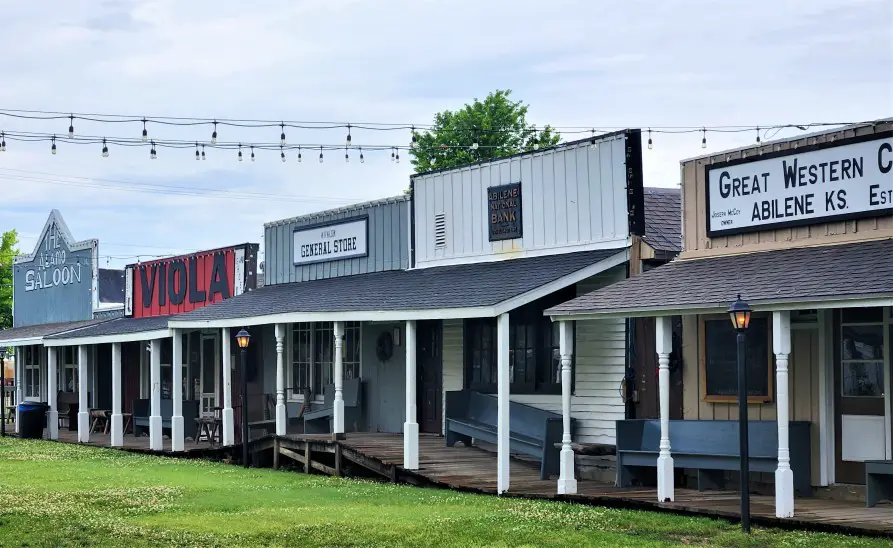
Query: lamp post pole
{"type": "Point", "coordinates": [2, 392]}
{"type": "Point", "coordinates": [242, 337]}
{"type": "Point", "coordinates": [740, 313]}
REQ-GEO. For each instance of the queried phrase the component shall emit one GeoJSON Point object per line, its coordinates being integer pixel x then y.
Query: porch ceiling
{"type": "Point", "coordinates": [468, 290]}
{"type": "Point", "coordinates": [853, 274]}
{"type": "Point", "coordinates": [34, 334]}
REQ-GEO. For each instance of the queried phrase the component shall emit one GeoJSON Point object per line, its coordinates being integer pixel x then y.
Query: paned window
{"type": "Point", "coordinates": [313, 355]}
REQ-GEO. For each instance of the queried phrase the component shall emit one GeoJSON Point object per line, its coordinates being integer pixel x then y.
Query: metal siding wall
{"type": "Point", "coordinates": [388, 244]}
{"type": "Point", "coordinates": [571, 197]}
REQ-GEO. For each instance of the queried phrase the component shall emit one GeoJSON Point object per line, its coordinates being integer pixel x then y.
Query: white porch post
{"type": "Point", "coordinates": [155, 440]}
{"type": "Point", "coordinates": [117, 436]}
{"type": "Point", "coordinates": [410, 427]}
{"type": "Point", "coordinates": [567, 483]}
{"type": "Point", "coordinates": [502, 403]}
{"type": "Point", "coordinates": [338, 406]}
{"type": "Point", "coordinates": [178, 433]}
{"type": "Point", "coordinates": [18, 374]}
{"type": "Point", "coordinates": [664, 343]}
{"type": "Point", "coordinates": [52, 393]}
{"type": "Point", "coordinates": [784, 476]}
{"type": "Point", "coordinates": [280, 380]}
{"type": "Point", "coordinates": [83, 411]}
{"type": "Point", "coordinates": [229, 427]}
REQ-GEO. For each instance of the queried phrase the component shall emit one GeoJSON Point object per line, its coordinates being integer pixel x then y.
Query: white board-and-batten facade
{"type": "Point", "coordinates": [573, 198]}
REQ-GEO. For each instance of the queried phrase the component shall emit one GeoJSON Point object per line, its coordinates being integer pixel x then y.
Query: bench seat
{"type": "Point", "coordinates": [142, 410]}
{"type": "Point", "coordinates": [318, 420]}
{"type": "Point", "coordinates": [878, 481]}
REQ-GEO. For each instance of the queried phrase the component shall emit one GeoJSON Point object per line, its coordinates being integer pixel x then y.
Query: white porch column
{"type": "Point", "coordinates": [52, 394]}
{"type": "Point", "coordinates": [567, 483]}
{"type": "Point", "coordinates": [338, 407]}
{"type": "Point", "coordinates": [410, 427]}
{"type": "Point", "coordinates": [281, 420]}
{"type": "Point", "coordinates": [229, 426]}
{"type": "Point", "coordinates": [18, 368]}
{"type": "Point", "coordinates": [83, 411]}
{"type": "Point", "coordinates": [155, 441]}
{"type": "Point", "coordinates": [178, 433]}
{"type": "Point", "coordinates": [784, 476]}
{"type": "Point", "coordinates": [502, 403]}
{"type": "Point", "coordinates": [117, 436]}
{"type": "Point", "coordinates": [664, 343]}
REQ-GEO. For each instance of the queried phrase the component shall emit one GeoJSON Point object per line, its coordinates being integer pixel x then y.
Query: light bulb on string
{"type": "Point", "coordinates": [252, 153]}
{"type": "Point", "coordinates": [299, 155]}
{"type": "Point", "coordinates": [347, 139]}
{"type": "Point", "coordinates": [105, 149]}
{"type": "Point", "coordinates": [320, 154]}
{"type": "Point", "coordinates": [758, 134]}
{"type": "Point", "coordinates": [53, 148]}
{"type": "Point", "coordinates": [593, 145]}
{"type": "Point", "coordinates": [346, 156]}
{"type": "Point", "coordinates": [704, 137]}
{"type": "Point", "coordinates": [2, 142]}
{"type": "Point", "coordinates": [152, 154]}
{"type": "Point", "coordinates": [415, 138]}
{"type": "Point", "coordinates": [197, 155]}
{"type": "Point", "coordinates": [392, 154]}
{"type": "Point", "coordinates": [397, 158]}
{"type": "Point", "coordinates": [282, 135]}
{"type": "Point", "coordinates": [282, 153]}
{"type": "Point", "coordinates": [240, 152]}
{"type": "Point", "coordinates": [203, 152]}
{"type": "Point", "coordinates": [214, 134]}
{"type": "Point", "coordinates": [362, 160]}
{"type": "Point", "coordinates": [650, 142]}
{"type": "Point", "coordinates": [71, 127]}
{"type": "Point", "coordinates": [145, 132]}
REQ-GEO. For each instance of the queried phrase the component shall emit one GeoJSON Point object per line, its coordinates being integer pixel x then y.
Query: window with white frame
{"type": "Point", "coordinates": [69, 371]}
{"type": "Point", "coordinates": [313, 355]}
{"type": "Point", "coordinates": [31, 356]}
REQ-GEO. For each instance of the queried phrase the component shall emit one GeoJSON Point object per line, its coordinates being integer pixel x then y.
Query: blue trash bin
{"type": "Point", "coordinates": [32, 419]}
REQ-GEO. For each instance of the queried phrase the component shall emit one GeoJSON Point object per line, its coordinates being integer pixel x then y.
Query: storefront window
{"type": "Point", "coordinates": [32, 371]}
{"type": "Point", "coordinates": [69, 369]}
{"type": "Point", "coordinates": [719, 366]}
{"type": "Point", "coordinates": [313, 355]}
{"type": "Point", "coordinates": [862, 360]}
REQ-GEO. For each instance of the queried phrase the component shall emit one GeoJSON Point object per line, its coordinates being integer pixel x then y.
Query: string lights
{"type": "Point", "coordinates": [704, 138]}
{"type": "Point", "coordinates": [105, 149]}
{"type": "Point", "coordinates": [145, 131]}
{"type": "Point", "coordinates": [53, 148]}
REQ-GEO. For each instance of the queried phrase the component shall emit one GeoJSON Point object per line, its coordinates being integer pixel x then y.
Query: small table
{"type": "Point", "coordinates": [10, 413]}
{"type": "Point", "coordinates": [210, 428]}
{"type": "Point", "coordinates": [99, 417]}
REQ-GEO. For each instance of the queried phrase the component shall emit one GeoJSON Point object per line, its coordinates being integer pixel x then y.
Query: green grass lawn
{"type": "Point", "coordinates": [54, 494]}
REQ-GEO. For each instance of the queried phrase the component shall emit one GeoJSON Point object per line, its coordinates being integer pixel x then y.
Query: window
{"type": "Point", "coordinates": [719, 360]}
{"type": "Point", "coordinates": [69, 370]}
{"type": "Point", "coordinates": [534, 354]}
{"type": "Point", "coordinates": [313, 355]}
{"type": "Point", "coordinates": [32, 371]}
{"type": "Point", "coordinates": [862, 353]}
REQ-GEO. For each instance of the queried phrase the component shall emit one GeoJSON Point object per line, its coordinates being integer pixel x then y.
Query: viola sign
{"type": "Point", "coordinates": [846, 179]}
{"type": "Point", "coordinates": [181, 284]}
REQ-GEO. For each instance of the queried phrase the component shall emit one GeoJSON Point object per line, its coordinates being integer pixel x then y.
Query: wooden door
{"type": "Point", "coordinates": [210, 373]}
{"type": "Point", "coordinates": [643, 394]}
{"type": "Point", "coordinates": [859, 390]}
{"type": "Point", "coordinates": [429, 372]}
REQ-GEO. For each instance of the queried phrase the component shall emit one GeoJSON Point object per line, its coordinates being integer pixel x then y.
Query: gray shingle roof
{"type": "Point", "coordinates": [663, 219]}
{"type": "Point", "coordinates": [804, 274]}
{"type": "Point", "coordinates": [459, 286]}
{"type": "Point", "coordinates": [119, 326]}
{"type": "Point", "coordinates": [43, 330]}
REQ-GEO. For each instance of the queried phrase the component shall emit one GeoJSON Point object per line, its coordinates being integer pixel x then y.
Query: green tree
{"type": "Point", "coordinates": [497, 124]}
{"type": "Point", "coordinates": [8, 252]}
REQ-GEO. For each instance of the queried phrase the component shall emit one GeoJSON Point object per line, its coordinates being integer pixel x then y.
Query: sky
{"type": "Point", "coordinates": [633, 63]}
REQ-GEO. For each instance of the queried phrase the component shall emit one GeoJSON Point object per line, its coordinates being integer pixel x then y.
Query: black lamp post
{"type": "Point", "coordinates": [739, 313]}
{"type": "Point", "coordinates": [242, 337]}
{"type": "Point", "coordinates": [3, 390]}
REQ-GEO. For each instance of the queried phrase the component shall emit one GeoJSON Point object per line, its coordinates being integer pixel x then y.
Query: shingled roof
{"type": "Point", "coordinates": [445, 287]}
{"type": "Point", "coordinates": [29, 332]}
{"type": "Point", "coordinates": [801, 276]}
{"type": "Point", "coordinates": [119, 326]}
{"type": "Point", "coordinates": [663, 219]}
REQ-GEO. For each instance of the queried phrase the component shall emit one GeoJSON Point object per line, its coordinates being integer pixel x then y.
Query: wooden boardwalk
{"type": "Point", "coordinates": [474, 470]}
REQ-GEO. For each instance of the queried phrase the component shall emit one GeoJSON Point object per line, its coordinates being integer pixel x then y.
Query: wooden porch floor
{"type": "Point", "coordinates": [474, 470]}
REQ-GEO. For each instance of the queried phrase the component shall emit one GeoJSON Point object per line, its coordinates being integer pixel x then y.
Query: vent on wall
{"type": "Point", "coordinates": [440, 231]}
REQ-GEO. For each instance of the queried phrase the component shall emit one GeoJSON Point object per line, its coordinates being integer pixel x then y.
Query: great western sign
{"type": "Point", "coordinates": [331, 241]}
{"type": "Point", "coordinates": [57, 282]}
{"type": "Point", "coordinates": [846, 179]}
{"type": "Point", "coordinates": [181, 284]}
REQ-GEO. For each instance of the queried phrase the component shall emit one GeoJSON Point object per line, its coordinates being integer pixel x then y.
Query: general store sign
{"type": "Point", "coordinates": [331, 241]}
{"type": "Point", "coordinates": [847, 179]}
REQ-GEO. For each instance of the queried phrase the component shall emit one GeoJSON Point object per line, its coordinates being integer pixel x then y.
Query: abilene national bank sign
{"type": "Point", "coordinates": [844, 179]}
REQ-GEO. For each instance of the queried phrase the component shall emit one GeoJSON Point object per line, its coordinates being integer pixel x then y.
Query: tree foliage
{"type": "Point", "coordinates": [497, 124]}
{"type": "Point", "coordinates": [8, 252]}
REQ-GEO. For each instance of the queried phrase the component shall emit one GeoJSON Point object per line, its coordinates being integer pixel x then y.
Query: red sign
{"type": "Point", "coordinates": [181, 284]}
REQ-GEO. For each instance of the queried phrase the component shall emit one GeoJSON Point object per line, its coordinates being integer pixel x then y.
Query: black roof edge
{"type": "Point", "coordinates": [216, 249]}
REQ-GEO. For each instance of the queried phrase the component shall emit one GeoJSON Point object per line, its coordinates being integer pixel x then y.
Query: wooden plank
{"type": "Point", "coordinates": [308, 459]}
{"type": "Point", "coordinates": [297, 457]}
{"type": "Point", "coordinates": [276, 454]}
{"type": "Point", "coordinates": [338, 460]}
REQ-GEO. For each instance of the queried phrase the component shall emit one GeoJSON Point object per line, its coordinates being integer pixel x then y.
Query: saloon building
{"type": "Point", "coordinates": [411, 314]}
{"type": "Point", "coordinates": [802, 229]}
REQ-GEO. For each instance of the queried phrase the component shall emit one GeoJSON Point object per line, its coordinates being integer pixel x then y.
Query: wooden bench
{"type": "Point", "coordinates": [878, 481]}
{"type": "Point", "coordinates": [711, 448]}
{"type": "Point", "coordinates": [319, 420]}
{"type": "Point", "coordinates": [67, 407]}
{"type": "Point", "coordinates": [472, 415]}
{"type": "Point", "coordinates": [141, 411]}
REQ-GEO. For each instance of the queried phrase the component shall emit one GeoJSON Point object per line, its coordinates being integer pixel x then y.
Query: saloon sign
{"type": "Point", "coordinates": [181, 284]}
{"type": "Point", "coordinates": [846, 179]}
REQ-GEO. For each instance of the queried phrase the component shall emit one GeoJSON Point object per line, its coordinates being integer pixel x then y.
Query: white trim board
{"type": "Point", "coordinates": [118, 338]}
{"type": "Point", "coordinates": [620, 244]}
{"type": "Point", "coordinates": [415, 314]}
{"type": "Point", "coordinates": [25, 341]}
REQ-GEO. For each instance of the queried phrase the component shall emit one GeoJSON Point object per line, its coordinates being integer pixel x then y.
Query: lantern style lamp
{"type": "Point", "coordinates": [242, 338]}
{"type": "Point", "coordinates": [739, 312]}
